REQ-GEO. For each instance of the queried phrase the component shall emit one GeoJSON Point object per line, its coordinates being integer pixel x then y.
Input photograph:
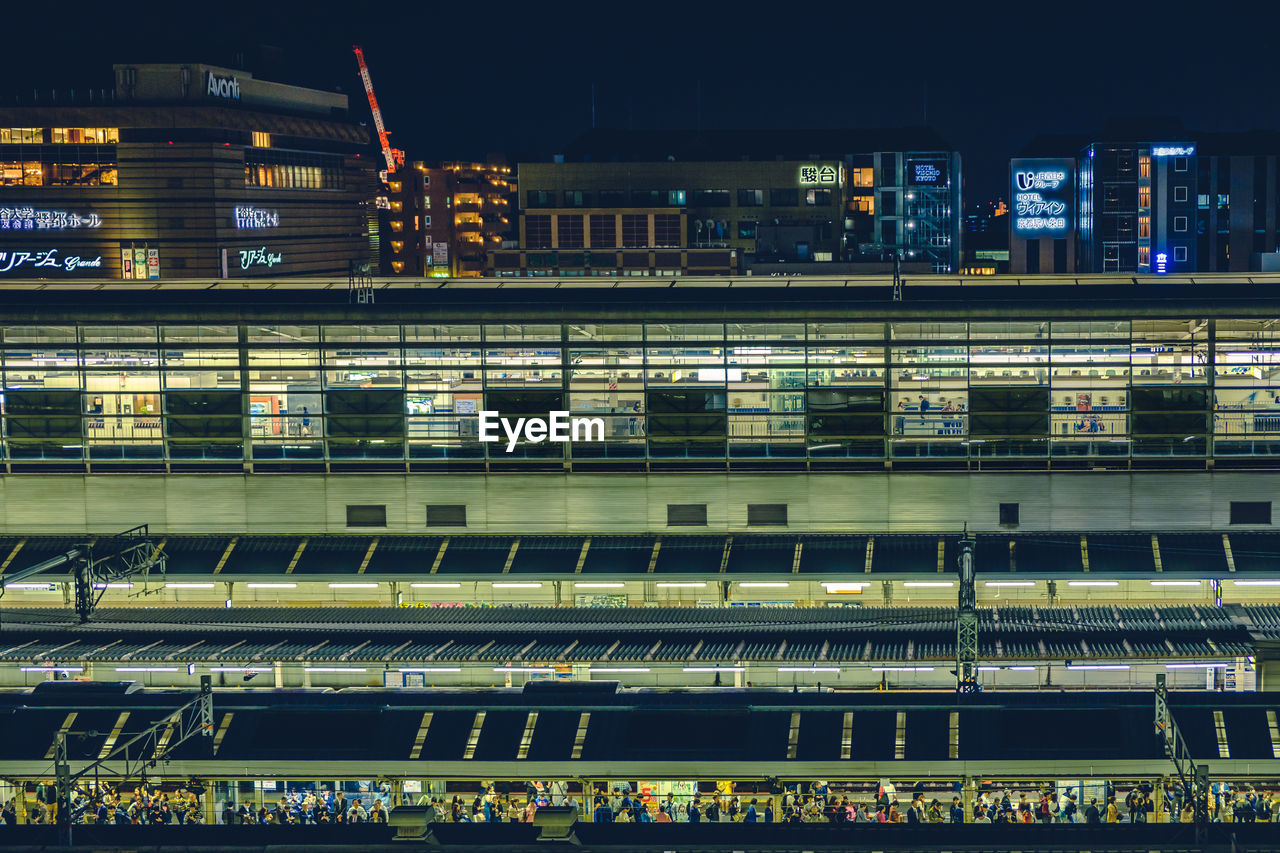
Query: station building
{"type": "Point", "coordinates": [185, 171]}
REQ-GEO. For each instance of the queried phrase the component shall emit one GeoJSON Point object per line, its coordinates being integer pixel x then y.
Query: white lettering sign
{"type": "Point", "coordinates": [248, 216]}
{"type": "Point", "coordinates": [259, 258]}
{"type": "Point", "coordinates": [46, 259]}
{"type": "Point", "coordinates": [221, 87]}
{"type": "Point", "coordinates": [1173, 150]}
{"type": "Point", "coordinates": [32, 219]}
{"type": "Point", "coordinates": [558, 427]}
{"type": "Point", "coordinates": [1040, 198]}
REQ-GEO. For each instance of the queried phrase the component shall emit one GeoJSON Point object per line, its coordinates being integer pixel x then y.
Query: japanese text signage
{"type": "Point", "coordinates": [259, 258]}
{"type": "Point", "coordinates": [1173, 150]}
{"type": "Point", "coordinates": [1042, 192]}
{"type": "Point", "coordinates": [40, 262]}
{"type": "Point", "coordinates": [818, 175]}
{"type": "Point", "coordinates": [247, 216]}
{"type": "Point", "coordinates": [33, 219]}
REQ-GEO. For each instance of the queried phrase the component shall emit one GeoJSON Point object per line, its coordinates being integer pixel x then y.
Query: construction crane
{"type": "Point", "coordinates": [393, 156]}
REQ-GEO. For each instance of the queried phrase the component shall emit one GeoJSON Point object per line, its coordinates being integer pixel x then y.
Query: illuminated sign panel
{"type": "Point", "coordinates": [34, 219]}
{"type": "Point", "coordinates": [1042, 193]}
{"type": "Point", "coordinates": [819, 175]}
{"type": "Point", "coordinates": [247, 216]}
{"type": "Point", "coordinates": [1173, 150]}
{"type": "Point", "coordinates": [221, 87]}
{"type": "Point", "coordinates": [927, 173]}
{"type": "Point", "coordinates": [44, 261]}
{"type": "Point", "coordinates": [259, 258]}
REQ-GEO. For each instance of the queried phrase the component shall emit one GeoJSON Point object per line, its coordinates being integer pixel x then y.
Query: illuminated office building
{"type": "Point", "coordinates": [184, 171]}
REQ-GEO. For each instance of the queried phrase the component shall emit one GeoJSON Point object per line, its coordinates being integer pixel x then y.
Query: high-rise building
{"type": "Point", "coordinates": [443, 220]}
{"type": "Point", "coordinates": [185, 170]}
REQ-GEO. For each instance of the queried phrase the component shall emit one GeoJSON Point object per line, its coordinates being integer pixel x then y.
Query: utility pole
{"type": "Point", "coordinates": [967, 620]}
{"type": "Point", "coordinates": [1193, 777]}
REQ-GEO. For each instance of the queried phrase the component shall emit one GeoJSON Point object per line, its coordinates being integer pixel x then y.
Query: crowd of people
{"type": "Point", "coordinates": [818, 803]}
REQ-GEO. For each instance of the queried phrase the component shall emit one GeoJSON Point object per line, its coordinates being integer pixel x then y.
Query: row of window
{"type": "Point", "coordinates": [778, 197]}
{"type": "Point", "coordinates": [35, 173]}
{"type": "Point", "coordinates": [60, 135]}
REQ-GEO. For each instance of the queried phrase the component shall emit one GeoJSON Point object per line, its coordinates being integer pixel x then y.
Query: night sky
{"type": "Point", "coordinates": [469, 78]}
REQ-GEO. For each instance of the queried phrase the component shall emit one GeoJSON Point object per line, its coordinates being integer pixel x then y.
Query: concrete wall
{"type": "Point", "coordinates": [622, 503]}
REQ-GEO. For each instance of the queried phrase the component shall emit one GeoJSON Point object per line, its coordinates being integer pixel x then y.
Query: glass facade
{"type": "Point", "coordinates": [760, 393]}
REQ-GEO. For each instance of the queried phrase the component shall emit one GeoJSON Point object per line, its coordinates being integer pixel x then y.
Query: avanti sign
{"type": "Point", "coordinates": [221, 87]}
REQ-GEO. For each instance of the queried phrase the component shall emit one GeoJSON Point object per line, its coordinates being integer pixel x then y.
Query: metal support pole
{"type": "Point", "coordinates": [62, 787]}
{"type": "Point", "coordinates": [967, 621]}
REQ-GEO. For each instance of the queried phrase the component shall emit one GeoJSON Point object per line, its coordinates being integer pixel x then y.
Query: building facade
{"type": "Point", "coordinates": [824, 376]}
{"type": "Point", "coordinates": [721, 203]}
{"type": "Point", "coordinates": [185, 171]}
{"type": "Point", "coordinates": [1198, 203]}
{"type": "Point", "coordinates": [444, 220]}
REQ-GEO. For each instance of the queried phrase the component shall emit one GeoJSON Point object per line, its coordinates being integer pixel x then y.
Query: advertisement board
{"type": "Point", "coordinates": [1043, 194]}
{"type": "Point", "coordinates": [930, 172]}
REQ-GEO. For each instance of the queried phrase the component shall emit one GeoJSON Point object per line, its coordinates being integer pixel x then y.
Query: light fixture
{"type": "Point", "coordinates": [1256, 583]}
{"type": "Point", "coordinates": [836, 588]}
{"type": "Point", "coordinates": [516, 585]}
{"type": "Point", "coordinates": [51, 669]}
{"type": "Point", "coordinates": [239, 669]}
{"type": "Point", "coordinates": [808, 669]}
{"type": "Point", "coordinates": [32, 587]}
{"type": "Point", "coordinates": [1175, 583]}
{"type": "Point", "coordinates": [335, 669]}
{"type": "Point", "coordinates": [431, 669]}
{"type": "Point", "coordinates": [1022, 669]}
{"type": "Point", "coordinates": [902, 669]}
{"type": "Point", "coordinates": [763, 585]}
{"type": "Point", "coordinates": [353, 586]}
{"type": "Point", "coordinates": [598, 585]}
{"type": "Point", "coordinates": [1195, 666]}
{"type": "Point", "coordinates": [928, 584]}
{"type": "Point", "coordinates": [988, 669]}
{"type": "Point", "coordinates": [1093, 583]}
{"type": "Point", "coordinates": [681, 585]}
{"type": "Point", "coordinates": [525, 669]}
{"type": "Point", "coordinates": [146, 669]}
{"type": "Point", "coordinates": [113, 586]}
{"type": "Point", "coordinates": [619, 669]}
{"type": "Point", "coordinates": [715, 669]}
{"type": "Point", "coordinates": [1103, 666]}
{"type": "Point", "coordinates": [435, 585]}
{"type": "Point", "coordinates": [271, 585]}
{"type": "Point", "coordinates": [998, 584]}
{"type": "Point", "coordinates": [188, 586]}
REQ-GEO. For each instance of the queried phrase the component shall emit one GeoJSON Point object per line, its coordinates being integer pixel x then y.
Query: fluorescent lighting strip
{"type": "Point", "coordinates": [239, 669]}
{"type": "Point", "coordinates": [33, 587]}
{"type": "Point", "coordinates": [188, 586]}
{"type": "Point", "coordinates": [1022, 669]}
{"type": "Point", "coordinates": [1099, 666]}
{"type": "Point", "coordinates": [505, 585]}
{"type": "Point", "coordinates": [353, 586]}
{"type": "Point", "coordinates": [436, 585]}
{"type": "Point", "coordinates": [808, 669]}
{"type": "Point", "coordinates": [1256, 583]}
{"type": "Point", "coordinates": [764, 585]}
{"type": "Point", "coordinates": [715, 669]}
{"type": "Point", "coordinates": [598, 585]}
{"type": "Point", "coordinates": [335, 669]}
{"type": "Point", "coordinates": [1176, 583]}
{"type": "Point", "coordinates": [432, 669]}
{"type": "Point", "coordinates": [51, 669]}
{"type": "Point", "coordinates": [928, 584]}
{"type": "Point", "coordinates": [1093, 583]}
{"type": "Point", "coordinates": [998, 584]}
{"type": "Point", "coordinates": [681, 584]}
{"type": "Point", "coordinates": [523, 669]}
{"type": "Point", "coordinates": [1195, 666]}
{"type": "Point", "coordinates": [988, 669]}
{"type": "Point", "coordinates": [620, 669]}
{"type": "Point", "coordinates": [146, 669]}
{"type": "Point", "coordinates": [113, 586]}
{"type": "Point", "coordinates": [271, 585]}
{"type": "Point", "coordinates": [902, 669]}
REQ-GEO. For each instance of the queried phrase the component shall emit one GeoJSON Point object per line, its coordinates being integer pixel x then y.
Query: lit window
{"type": "Point", "coordinates": [863, 177]}
{"type": "Point", "coordinates": [395, 186]}
{"type": "Point", "coordinates": [11, 135]}
{"type": "Point", "coordinates": [397, 225]}
{"type": "Point", "coordinates": [261, 140]}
